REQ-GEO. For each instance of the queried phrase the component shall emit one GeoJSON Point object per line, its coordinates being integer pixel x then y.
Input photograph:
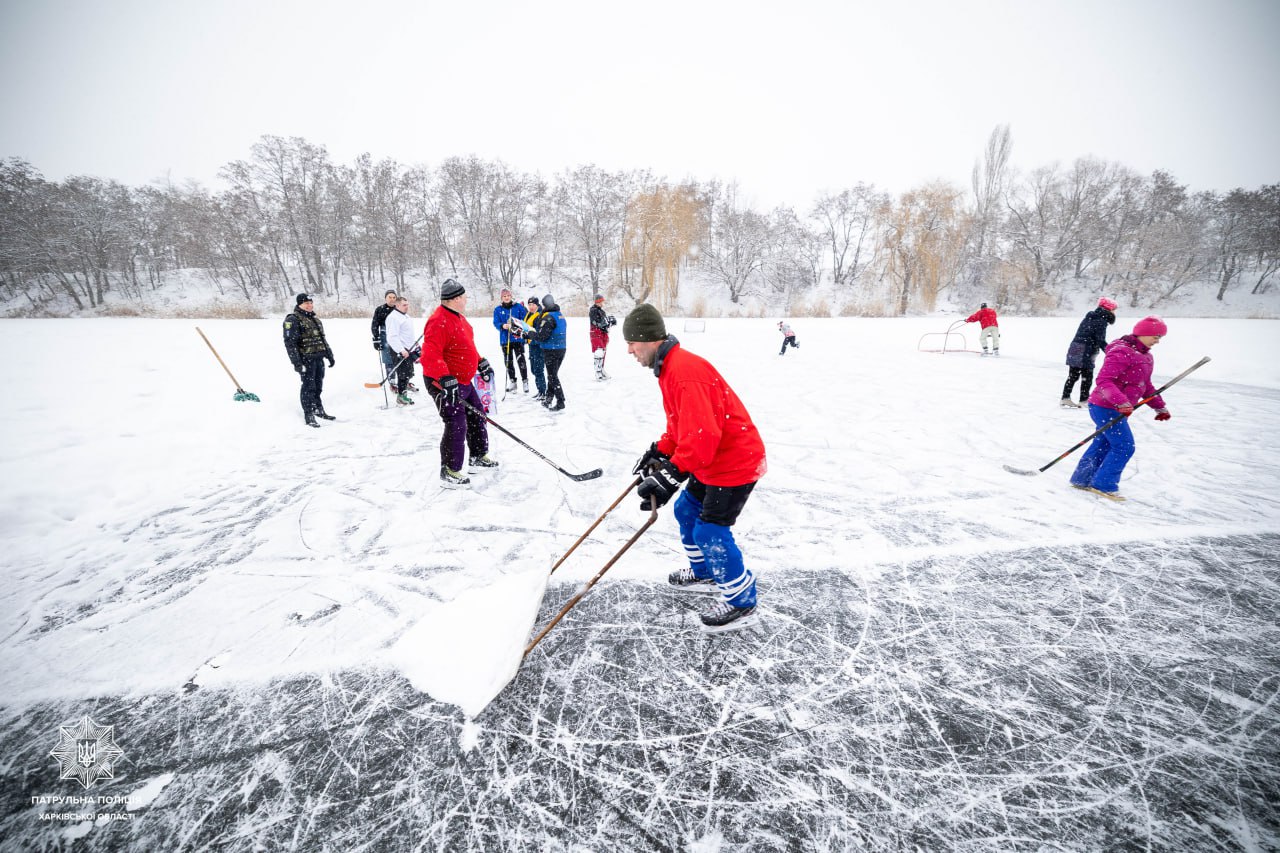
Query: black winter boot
{"type": "Point", "coordinates": [311, 420]}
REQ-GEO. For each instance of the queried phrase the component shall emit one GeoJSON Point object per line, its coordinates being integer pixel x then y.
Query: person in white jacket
{"type": "Point", "coordinates": [402, 342]}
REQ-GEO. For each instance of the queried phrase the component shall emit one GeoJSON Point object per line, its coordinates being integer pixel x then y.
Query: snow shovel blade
{"type": "Point", "coordinates": [242, 396]}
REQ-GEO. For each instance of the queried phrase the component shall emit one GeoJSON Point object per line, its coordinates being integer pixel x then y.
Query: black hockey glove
{"type": "Point", "coordinates": [448, 391]}
{"type": "Point", "coordinates": [651, 458]}
{"type": "Point", "coordinates": [329, 357]}
{"type": "Point", "coordinates": [485, 371]}
{"type": "Point", "coordinates": [613, 321]}
{"type": "Point", "coordinates": [377, 345]}
{"type": "Point", "coordinates": [415, 354]}
{"type": "Point", "coordinates": [300, 367]}
{"type": "Point", "coordinates": [660, 486]}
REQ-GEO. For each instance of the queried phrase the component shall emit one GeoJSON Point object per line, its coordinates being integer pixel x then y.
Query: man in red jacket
{"type": "Point", "coordinates": [449, 361]}
{"type": "Point", "coordinates": [986, 318]}
{"type": "Point", "coordinates": [711, 443]}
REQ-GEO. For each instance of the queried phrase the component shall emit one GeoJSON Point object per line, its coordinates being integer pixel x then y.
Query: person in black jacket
{"type": "Point", "coordinates": [1090, 339]}
{"type": "Point", "coordinates": [305, 344]}
{"type": "Point", "coordinates": [600, 325]}
{"type": "Point", "coordinates": [379, 330]}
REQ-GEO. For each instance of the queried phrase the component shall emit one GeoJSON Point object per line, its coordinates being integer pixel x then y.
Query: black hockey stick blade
{"type": "Point", "coordinates": [590, 475]}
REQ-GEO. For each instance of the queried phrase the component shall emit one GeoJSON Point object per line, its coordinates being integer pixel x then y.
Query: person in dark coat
{"type": "Point", "coordinates": [551, 336]}
{"type": "Point", "coordinates": [1090, 339]}
{"type": "Point", "coordinates": [308, 350]}
{"type": "Point", "coordinates": [378, 328]}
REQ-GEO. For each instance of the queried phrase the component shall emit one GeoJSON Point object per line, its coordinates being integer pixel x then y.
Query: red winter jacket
{"type": "Point", "coordinates": [709, 433]}
{"type": "Point", "coordinates": [449, 347]}
{"type": "Point", "coordinates": [985, 316]}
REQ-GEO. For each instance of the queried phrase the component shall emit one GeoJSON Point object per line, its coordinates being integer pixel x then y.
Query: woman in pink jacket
{"type": "Point", "coordinates": [1124, 380]}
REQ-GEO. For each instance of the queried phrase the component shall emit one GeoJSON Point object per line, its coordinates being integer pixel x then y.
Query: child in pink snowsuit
{"type": "Point", "coordinates": [1124, 380]}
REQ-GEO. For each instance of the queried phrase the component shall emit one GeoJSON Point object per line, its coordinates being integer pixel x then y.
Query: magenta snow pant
{"type": "Point", "coordinates": [462, 427]}
{"type": "Point", "coordinates": [1103, 462]}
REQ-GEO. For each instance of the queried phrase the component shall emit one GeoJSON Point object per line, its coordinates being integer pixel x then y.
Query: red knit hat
{"type": "Point", "coordinates": [1152, 325]}
{"type": "Point", "coordinates": [1109, 304]}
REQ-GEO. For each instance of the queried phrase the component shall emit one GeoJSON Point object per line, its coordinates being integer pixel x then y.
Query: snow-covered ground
{"type": "Point", "coordinates": [951, 656]}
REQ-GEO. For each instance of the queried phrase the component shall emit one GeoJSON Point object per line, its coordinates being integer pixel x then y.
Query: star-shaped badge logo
{"type": "Point", "coordinates": [87, 752]}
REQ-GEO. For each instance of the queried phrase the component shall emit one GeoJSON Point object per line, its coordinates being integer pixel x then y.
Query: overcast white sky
{"type": "Point", "coordinates": [788, 98]}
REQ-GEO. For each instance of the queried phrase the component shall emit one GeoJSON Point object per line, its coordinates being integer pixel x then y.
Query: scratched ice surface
{"type": "Point", "coordinates": [950, 657]}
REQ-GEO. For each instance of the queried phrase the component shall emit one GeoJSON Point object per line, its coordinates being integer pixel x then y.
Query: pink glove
{"type": "Point", "coordinates": [1163, 415]}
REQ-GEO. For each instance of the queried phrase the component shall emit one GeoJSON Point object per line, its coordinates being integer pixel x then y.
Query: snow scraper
{"type": "Point", "coordinates": [653, 516]}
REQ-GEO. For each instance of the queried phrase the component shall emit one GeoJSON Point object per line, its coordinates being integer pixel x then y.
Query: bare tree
{"type": "Point", "coordinates": [847, 221]}
{"type": "Point", "coordinates": [739, 242]}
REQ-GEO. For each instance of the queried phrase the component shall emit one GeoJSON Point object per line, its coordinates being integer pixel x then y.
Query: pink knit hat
{"type": "Point", "coordinates": [1152, 325]}
{"type": "Point", "coordinates": [1109, 304]}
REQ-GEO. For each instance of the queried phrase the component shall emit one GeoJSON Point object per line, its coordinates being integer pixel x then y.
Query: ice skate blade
{"type": "Point", "coordinates": [751, 620]}
{"type": "Point", "coordinates": [695, 589]}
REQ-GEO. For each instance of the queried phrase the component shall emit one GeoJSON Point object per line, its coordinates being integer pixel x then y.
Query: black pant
{"type": "Point", "coordinates": [1085, 375]}
{"type": "Point", "coordinates": [552, 358]}
{"type": "Point", "coordinates": [312, 383]}
{"type": "Point", "coordinates": [720, 504]}
{"type": "Point", "coordinates": [789, 339]}
{"type": "Point", "coordinates": [513, 353]}
{"type": "Point", "coordinates": [404, 372]}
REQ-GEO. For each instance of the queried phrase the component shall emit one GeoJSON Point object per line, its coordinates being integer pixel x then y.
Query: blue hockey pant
{"type": "Point", "coordinates": [1103, 462]}
{"type": "Point", "coordinates": [710, 546]}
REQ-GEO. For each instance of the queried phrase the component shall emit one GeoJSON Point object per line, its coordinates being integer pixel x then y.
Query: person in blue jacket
{"type": "Point", "coordinates": [511, 338]}
{"type": "Point", "coordinates": [551, 337]}
{"type": "Point", "coordinates": [1090, 339]}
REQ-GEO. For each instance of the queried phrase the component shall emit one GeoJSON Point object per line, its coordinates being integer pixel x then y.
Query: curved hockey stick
{"type": "Point", "coordinates": [1109, 424]}
{"type": "Point", "coordinates": [590, 475]}
{"type": "Point", "coordinates": [653, 516]}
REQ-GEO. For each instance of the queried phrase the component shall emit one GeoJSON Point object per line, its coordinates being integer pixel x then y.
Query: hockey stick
{"type": "Point", "coordinates": [590, 475]}
{"type": "Point", "coordinates": [594, 525]}
{"type": "Point", "coordinates": [382, 365]}
{"type": "Point", "coordinates": [393, 370]}
{"type": "Point", "coordinates": [1109, 424]}
{"type": "Point", "coordinates": [653, 516]}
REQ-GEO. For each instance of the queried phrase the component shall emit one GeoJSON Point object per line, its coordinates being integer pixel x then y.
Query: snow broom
{"type": "Point", "coordinates": [241, 395]}
{"type": "Point", "coordinates": [1108, 425]}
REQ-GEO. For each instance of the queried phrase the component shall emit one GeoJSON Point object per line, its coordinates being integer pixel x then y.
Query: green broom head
{"type": "Point", "coordinates": [243, 395]}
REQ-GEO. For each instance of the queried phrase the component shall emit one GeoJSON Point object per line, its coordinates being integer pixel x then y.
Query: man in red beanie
{"type": "Point", "coordinates": [600, 324]}
{"type": "Point", "coordinates": [1090, 339]}
{"type": "Point", "coordinates": [1125, 380]}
